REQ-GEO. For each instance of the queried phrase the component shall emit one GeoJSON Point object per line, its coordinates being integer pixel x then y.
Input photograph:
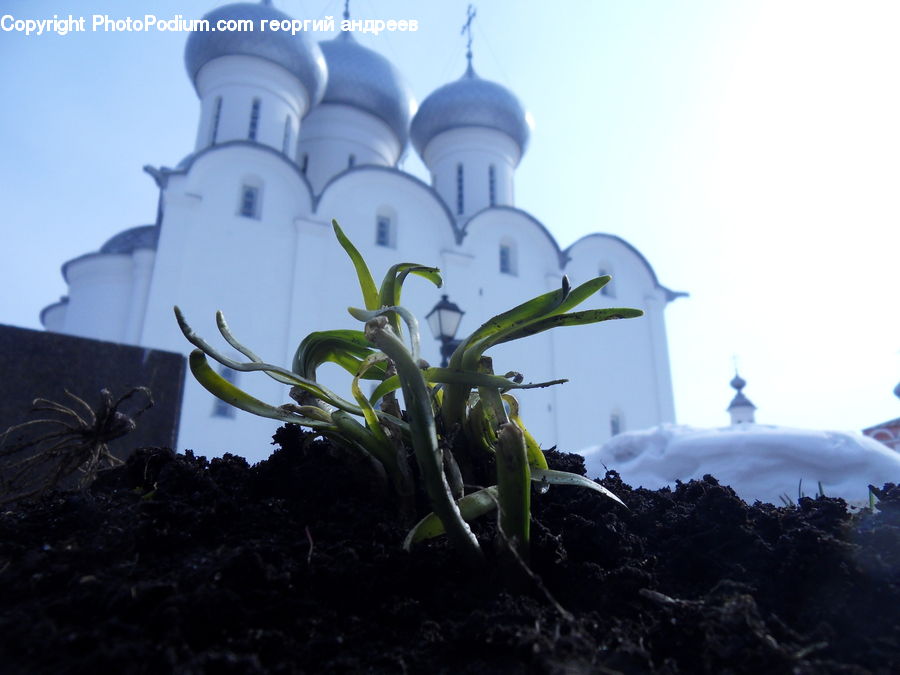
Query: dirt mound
{"type": "Point", "coordinates": [175, 564]}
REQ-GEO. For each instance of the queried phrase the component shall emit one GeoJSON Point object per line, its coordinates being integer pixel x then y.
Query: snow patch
{"type": "Point", "coordinates": [759, 462]}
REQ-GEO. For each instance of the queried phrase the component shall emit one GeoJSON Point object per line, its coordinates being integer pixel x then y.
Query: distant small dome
{"type": "Point", "coordinates": [470, 102]}
{"type": "Point", "coordinates": [739, 400]}
{"type": "Point", "coordinates": [128, 241]}
{"type": "Point", "coordinates": [897, 390]}
{"type": "Point", "coordinates": [294, 53]}
{"type": "Point", "coordinates": [364, 79]}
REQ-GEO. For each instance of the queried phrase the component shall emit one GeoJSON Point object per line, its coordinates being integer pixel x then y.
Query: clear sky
{"type": "Point", "coordinates": [748, 148]}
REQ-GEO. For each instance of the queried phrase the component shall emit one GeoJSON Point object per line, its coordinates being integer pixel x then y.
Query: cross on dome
{"type": "Point", "coordinates": [467, 31]}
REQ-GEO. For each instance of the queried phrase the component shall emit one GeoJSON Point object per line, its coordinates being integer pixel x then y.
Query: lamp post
{"type": "Point", "coordinates": [444, 320]}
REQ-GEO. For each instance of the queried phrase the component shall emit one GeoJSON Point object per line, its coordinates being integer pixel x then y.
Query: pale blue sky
{"type": "Point", "coordinates": [748, 148]}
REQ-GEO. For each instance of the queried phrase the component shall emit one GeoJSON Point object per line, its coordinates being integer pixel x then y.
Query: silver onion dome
{"type": "Point", "coordinates": [364, 79]}
{"type": "Point", "coordinates": [295, 53]}
{"type": "Point", "coordinates": [128, 241]}
{"type": "Point", "coordinates": [470, 101]}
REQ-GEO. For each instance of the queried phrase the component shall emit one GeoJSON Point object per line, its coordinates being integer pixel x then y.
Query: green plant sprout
{"type": "Point", "coordinates": [461, 422]}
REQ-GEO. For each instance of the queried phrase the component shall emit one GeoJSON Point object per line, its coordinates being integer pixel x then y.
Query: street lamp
{"type": "Point", "coordinates": [444, 320]}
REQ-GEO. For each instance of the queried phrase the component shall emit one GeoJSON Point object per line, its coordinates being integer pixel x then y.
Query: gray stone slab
{"type": "Point", "coordinates": [41, 364]}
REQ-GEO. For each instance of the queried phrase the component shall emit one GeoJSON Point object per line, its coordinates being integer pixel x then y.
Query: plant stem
{"type": "Point", "coordinates": [424, 438]}
{"type": "Point", "coordinates": [514, 487]}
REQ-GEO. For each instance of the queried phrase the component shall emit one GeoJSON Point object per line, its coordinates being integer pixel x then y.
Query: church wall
{"type": "Point", "coordinates": [534, 270]}
{"type": "Point", "coordinates": [624, 363]}
{"type": "Point", "coordinates": [422, 231]}
{"type": "Point", "coordinates": [214, 258]}
{"type": "Point", "coordinates": [242, 232]}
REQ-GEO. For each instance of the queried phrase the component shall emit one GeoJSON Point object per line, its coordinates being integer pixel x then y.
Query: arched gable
{"type": "Point", "coordinates": [603, 250]}
{"type": "Point", "coordinates": [511, 241]}
{"type": "Point", "coordinates": [298, 185]}
{"type": "Point", "coordinates": [526, 217]}
{"type": "Point", "coordinates": [358, 196]}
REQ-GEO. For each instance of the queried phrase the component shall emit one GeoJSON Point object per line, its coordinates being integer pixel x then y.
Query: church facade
{"type": "Point", "coordinates": [293, 133]}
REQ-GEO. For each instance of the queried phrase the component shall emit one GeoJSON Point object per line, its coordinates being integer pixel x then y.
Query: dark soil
{"type": "Point", "coordinates": [175, 564]}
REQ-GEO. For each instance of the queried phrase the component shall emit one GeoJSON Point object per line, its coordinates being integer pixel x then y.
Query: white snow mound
{"type": "Point", "coordinates": [759, 462]}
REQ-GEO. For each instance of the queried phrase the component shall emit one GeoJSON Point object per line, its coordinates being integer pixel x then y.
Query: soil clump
{"type": "Point", "coordinates": [172, 563]}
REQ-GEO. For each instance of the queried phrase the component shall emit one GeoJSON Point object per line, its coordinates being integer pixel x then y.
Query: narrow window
{"type": "Point", "coordinates": [608, 290]}
{"type": "Point", "coordinates": [492, 185]}
{"type": "Point", "coordinates": [254, 119]}
{"type": "Point", "coordinates": [615, 424]}
{"type": "Point", "coordinates": [249, 201]}
{"type": "Point", "coordinates": [305, 164]}
{"type": "Point", "coordinates": [217, 114]}
{"type": "Point", "coordinates": [286, 141]}
{"type": "Point", "coordinates": [459, 189]}
{"type": "Point", "coordinates": [351, 161]}
{"type": "Point", "coordinates": [506, 261]}
{"type": "Point", "coordinates": [220, 408]}
{"type": "Point", "coordinates": [383, 231]}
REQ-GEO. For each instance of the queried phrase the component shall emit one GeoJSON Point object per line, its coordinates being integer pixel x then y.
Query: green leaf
{"type": "Point", "coordinates": [392, 285]}
{"type": "Point", "coordinates": [581, 293]}
{"type": "Point", "coordinates": [424, 437]}
{"type": "Point", "coordinates": [536, 459]}
{"type": "Point", "coordinates": [566, 478]}
{"type": "Point", "coordinates": [573, 319]}
{"type": "Point", "coordinates": [451, 376]}
{"type": "Point", "coordinates": [347, 348]}
{"type": "Point", "coordinates": [391, 313]}
{"type": "Point", "coordinates": [470, 351]}
{"type": "Point", "coordinates": [280, 374]}
{"type": "Point", "coordinates": [366, 282]}
{"type": "Point", "coordinates": [226, 391]}
{"type": "Point", "coordinates": [368, 410]}
{"type": "Point", "coordinates": [514, 486]}
{"type": "Point", "coordinates": [473, 347]}
{"type": "Point", "coordinates": [471, 506]}
{"type": "Point", "coordinates": [363, 438]}
{"type": "Point", "coordinates": [479, 430]}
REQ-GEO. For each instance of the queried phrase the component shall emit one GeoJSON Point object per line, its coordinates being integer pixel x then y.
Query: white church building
{"type": "Point", "coordinates": [292, 133]}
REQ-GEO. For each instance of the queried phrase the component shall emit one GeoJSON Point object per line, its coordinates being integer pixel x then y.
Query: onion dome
{"type": "Point", "coordinates": [128, 241]}
{"type": "Point", "coordinates": [364, 79]}
{"type": "Point", "coordinates": [470, 102]}
{"type": "Point", "coordinates": [739, 400]}
{"type": "Point", "coordinates": [299, 56]}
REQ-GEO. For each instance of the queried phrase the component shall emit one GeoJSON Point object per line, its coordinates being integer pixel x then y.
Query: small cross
{"type": "Point", "coordinates": [467, 29]}
{"type": "Point", "coordinates": [346, 9]}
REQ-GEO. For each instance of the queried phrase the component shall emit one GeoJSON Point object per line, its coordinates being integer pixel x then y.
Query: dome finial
{"type": "Point", "coordinates": [737, 381]}
{"type": "Point", "coordinates": [467, 31]}
{"type": "Point", "coordinates": [346, 10]}
{"type": "Point", "coordinates": [740, 409]}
